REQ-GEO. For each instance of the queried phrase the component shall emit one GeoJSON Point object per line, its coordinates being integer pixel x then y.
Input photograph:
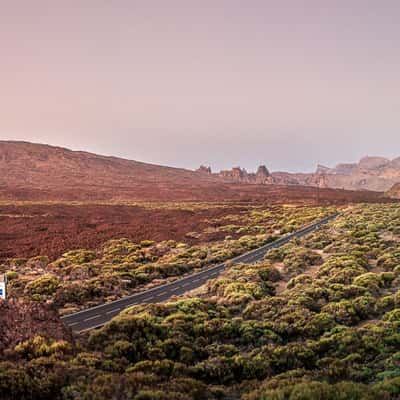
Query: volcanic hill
{"type": "Point", "coordinates": [38, 172]}
{"type": "Point", "coordinates": [35, 171]}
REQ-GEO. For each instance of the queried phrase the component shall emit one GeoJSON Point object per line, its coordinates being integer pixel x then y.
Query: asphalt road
{"type": "Point", "coordinates": [97, 316]}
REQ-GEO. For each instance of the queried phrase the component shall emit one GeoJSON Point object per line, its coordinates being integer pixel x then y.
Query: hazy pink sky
{"type": "Point", "coordinates": [285, 83]}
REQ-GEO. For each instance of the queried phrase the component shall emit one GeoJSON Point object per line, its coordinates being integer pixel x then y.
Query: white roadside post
{"type": "Point", "coordinates": [3, 285]}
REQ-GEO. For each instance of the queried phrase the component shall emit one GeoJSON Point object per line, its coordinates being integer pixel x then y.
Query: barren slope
{"type": "Point", "coordinates": [35, 171]}
{"type": "Point", "coordinates": [41, 172]}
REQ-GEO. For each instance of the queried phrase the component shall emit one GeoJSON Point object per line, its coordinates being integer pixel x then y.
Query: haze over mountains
{"type": "Point", "coordinates": [370, 173]}
{"type": "Point", "coordinates": [41, 172]}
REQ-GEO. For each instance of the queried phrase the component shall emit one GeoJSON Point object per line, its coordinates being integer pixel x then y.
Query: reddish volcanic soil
{"type": "Point", "coordinates": [28, 230]}
{"type": "Point", "coordinates": [32, 172]}
{"type": "Point", "coordinates": [31, 230]}
{"type": "Point", "coordinates": [21, 320]}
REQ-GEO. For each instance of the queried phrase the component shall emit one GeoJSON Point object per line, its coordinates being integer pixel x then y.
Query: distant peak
{"type": "Point", "coordinates": [369, 162]}
{"type": "Point", "coordinates": [321, 169]}
{"type": "Point", "coordinates": [238, 174]}
{"type": "Point", "coordinates": [204, 169]}
{"type": "Point", "coordinates": [262, 171]}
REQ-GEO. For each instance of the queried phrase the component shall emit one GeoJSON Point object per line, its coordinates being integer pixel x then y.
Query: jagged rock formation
{"type": "Point", "coordinates": [38, 172]}
{"type": "Point", "coordinates": [237, 174]}
{"type": "Point", "coordinates": [31, 171]}
{"type": "Point", "coordinates": [204, 169]}
{"type": "Point", "coordinates": [370, 173]}
{"type": "Point", "coordinates": [263, 176]}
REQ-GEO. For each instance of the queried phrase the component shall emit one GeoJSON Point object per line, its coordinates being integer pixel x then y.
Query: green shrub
{"type": "Point", "coordinates": [45, 285]}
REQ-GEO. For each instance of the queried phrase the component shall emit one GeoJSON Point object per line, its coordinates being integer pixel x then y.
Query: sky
{"type": "Point", "coordinates": [285, 83]}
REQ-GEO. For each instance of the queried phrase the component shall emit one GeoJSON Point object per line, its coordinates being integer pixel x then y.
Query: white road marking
{"type": "Point", "coordinates": [113, 311]}
{"type": "Point", "coordinates": [94, 317]}
{"type": "Point", "coordinates": [249, 258]}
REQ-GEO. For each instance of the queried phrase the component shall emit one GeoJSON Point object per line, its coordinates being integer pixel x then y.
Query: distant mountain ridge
{"type": "Point", "coordinates": [30, 171]}
{"type": "Point", "coordinates": [370, 173]}
{"type": "Point", "coordinates": [40, 172]}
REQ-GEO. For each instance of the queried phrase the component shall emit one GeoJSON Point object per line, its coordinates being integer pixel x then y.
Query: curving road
{"type": "Point", "coordinates": [97, 316]}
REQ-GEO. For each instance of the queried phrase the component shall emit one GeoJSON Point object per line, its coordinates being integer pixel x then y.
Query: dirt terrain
{"type": "Point", "coordinates": [51, 229]}
{"type": "Point", "coordinates": [21, 320]}
{"type": "Point", "coordinates": [33, 229]}
{"type": "Point", "coordinates": [54, 177]}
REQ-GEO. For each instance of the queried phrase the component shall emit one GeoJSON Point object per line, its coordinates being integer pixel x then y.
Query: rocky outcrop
{"type": "Point", "coordinates": [263, 176]}
{"type": "Point", "coordinates": [237, 174]}
{"type": "Point", "coordinates": [205, 170]}
{"type": "Point", "coordinates": [31, 171]}
{"type": "Point", "coordinates": [394, 192]}
{"type": "Point", "coordinates": [343, 169]}
{"type": "Point", "coordinates": [321, 169]}
{"type": "Point", "coordinates": [373, 163]}
{"type": "Point", "coordinates": [370, 173]}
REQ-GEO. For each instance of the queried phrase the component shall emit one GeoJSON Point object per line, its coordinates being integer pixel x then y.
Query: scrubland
{"type": "Point", "coordinates": [318, 318]}
{"type": "Point", "coordinates": [85, 277]}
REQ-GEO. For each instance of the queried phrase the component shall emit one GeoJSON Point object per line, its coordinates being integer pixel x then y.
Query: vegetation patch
{"type": "Point", "coordinates": [318, 318]}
